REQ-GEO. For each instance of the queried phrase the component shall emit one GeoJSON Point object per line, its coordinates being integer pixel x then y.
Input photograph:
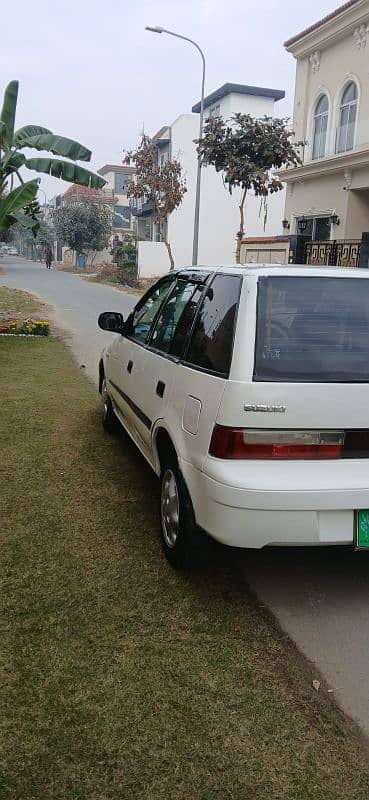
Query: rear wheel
{"type": "Point", "coordinates": [185, 545]}
{"type": "Point", "coordinates": [109, 420]}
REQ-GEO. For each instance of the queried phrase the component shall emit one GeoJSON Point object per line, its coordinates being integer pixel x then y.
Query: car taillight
{"type": "Point", "coordinates": [241, 443]}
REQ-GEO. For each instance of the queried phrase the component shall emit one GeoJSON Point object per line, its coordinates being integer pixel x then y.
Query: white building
{"type": "Point", "coordinates": [118, 178]}
{"type": "Point", "coordinates": [219, 214]}
{"type": "Point", "coordinates": [328, 194]}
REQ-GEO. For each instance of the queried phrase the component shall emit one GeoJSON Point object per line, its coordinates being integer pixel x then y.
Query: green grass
{"type": "Point", "coordinates": [120, 678]}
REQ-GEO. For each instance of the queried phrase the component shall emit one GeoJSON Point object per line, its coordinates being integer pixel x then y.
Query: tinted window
{"type": "Point", "coordinates": [145, 312]}
{"type": "Point", "coordinates": [122, 217]}
{"type": "Point", "coordinates": [175, 320]}
{"type": "Point", "coordinates": [312, 330]}
{"type": "Point", "coordinates": [212, 340]}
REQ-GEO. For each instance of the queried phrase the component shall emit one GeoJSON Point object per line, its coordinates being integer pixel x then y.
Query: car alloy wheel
{"type": "Point", "coordinates": [105, 398]}
{"type": "Point", "coordinates": [170, 508]}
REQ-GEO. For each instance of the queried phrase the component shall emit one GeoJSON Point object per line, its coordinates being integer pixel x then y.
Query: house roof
{"type": "Point", "coordinates": [86, 193]}
{"type": "Point", "coordinates": [322, 21]}
{"type": "Point", "coordinates": [115, 168]}
{"type": "Point", "coordinates": [238, 88]}
{"type": "Point", "coordinates": [160, 134]}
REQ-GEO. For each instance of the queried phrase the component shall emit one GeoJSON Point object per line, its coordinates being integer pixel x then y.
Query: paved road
{"type": "Point", "coordinates": [76, 304]}
{"type": "Point", "coordinates": [320, 597]}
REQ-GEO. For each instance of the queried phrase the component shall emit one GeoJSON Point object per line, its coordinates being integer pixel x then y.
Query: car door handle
{"type": "Point", "coordinates": [129, 366]}
{"type": "Point", "coordinates": [160, 389]}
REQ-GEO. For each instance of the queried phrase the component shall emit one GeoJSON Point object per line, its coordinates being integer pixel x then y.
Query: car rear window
{"type": "Point", "coordinates": [312, 329]}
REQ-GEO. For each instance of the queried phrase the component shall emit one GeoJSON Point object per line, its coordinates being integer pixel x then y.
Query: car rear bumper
{"type": "Point", "coordinates": [268, 512]}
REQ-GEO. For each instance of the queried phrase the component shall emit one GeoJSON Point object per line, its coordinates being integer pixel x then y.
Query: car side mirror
{"type": "Point", "coordinates": [111, 321]}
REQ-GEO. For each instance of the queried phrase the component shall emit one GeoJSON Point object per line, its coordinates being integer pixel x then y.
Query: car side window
{"type": "Point", "coordinates": [145, 312]}
{"type": "Point", "coordinates": [175, 320]}
{"type": "Point", "coordinates": [211, 343]}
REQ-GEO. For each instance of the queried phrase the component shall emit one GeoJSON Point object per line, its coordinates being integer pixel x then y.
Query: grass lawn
{"type": "Point", "coordinates": [18, 302]}
{"type": "Point", "coordinates": [120, 678]}
{"type": "Point", "coordinates": [136, 290]}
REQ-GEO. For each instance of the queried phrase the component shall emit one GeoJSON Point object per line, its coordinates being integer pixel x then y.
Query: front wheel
{"type": "Point", "coordinates": [185, 545]}
{"type": "Point", "coordinates": [109, 420]}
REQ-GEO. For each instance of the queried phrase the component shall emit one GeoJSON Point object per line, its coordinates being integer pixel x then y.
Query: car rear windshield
{"type": "Point", "coordinates": [312, 329]}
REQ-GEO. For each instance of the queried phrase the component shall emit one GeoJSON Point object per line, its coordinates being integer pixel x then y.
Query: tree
{"type": "Point", "coordinates": [19, 205]}
{"type": "Point", "coordinates": [248, 152]}
{"type": "Point", "coordinates": [84, 225]}
{"type": "Point", "coordinates": [125, 257]}
{"type": "Point", "coordinates": [46, 234]}
{"type": "Point", "coordinates": [161, 185]}
{"type": "Point", "coordinates": [32, 243]}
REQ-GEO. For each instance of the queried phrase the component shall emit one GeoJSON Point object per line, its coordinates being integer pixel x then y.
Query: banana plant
{"type": "Point", "coordinates": [18, 204]}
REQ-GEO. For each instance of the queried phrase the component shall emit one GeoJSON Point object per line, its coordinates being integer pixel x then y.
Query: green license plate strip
{"type": "Point", "coordinates": [362, 529]}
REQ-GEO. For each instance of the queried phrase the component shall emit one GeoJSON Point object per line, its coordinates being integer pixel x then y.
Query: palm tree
{"type": "Point", "coordinates": [19, 204]}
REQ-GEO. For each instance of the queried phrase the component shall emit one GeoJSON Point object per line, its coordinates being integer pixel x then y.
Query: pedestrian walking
{"type": "Point", "coordinates": [48, 256]}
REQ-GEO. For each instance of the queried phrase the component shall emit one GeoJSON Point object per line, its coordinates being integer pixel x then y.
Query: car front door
{"type": "Point", "coordinates": [155, 384]}
{"type": "Point", "coordinates": [127, 354]}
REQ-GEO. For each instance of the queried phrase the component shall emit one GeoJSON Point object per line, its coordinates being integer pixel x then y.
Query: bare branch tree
{"type": "Point", "coordinates": [162, 185]}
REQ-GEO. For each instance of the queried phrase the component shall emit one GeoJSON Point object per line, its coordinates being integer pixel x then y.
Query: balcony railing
{"type": "Point", "coordinates": [139, 207]}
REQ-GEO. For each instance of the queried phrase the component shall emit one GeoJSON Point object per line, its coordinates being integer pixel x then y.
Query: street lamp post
{"type": "Point", "coordinates": [45, 201]}
{"type": "Point", "coordinates": [195, 250]}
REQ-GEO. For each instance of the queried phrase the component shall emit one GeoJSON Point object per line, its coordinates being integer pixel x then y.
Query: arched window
{"type": "Point", "coordinates": [320, 127]}
{"type": "Point", "coordinates": [347, 119]}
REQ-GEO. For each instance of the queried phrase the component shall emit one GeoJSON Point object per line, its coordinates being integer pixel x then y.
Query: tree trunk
{"type": "Point", "coordinates": [241, 232]}
{"type": "Point", "coordinates": [170, 254]}
{"type": "Point", "coordinates": [167, 245]}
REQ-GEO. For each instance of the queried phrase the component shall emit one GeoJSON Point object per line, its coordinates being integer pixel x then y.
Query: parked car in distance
{"type": "Point", "coordinates": [247, 391]}
{"type": "Point", "coordinates": [12, 251]}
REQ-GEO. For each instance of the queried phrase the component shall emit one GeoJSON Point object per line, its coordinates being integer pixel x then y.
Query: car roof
{"type": "Point", "coordinates": [298, 270]}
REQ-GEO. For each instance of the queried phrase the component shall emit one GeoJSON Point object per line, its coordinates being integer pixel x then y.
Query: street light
{"type": "Point", "coordinates": [158, 29]}
{"type": "Point", "coordinates": [44, 193]}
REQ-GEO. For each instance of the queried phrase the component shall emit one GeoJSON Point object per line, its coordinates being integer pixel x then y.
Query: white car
{"type": "Point", "coordinates": [247, 391]}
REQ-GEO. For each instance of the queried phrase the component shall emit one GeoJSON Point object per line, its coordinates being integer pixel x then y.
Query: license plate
{"type": "Point", "coordinates": [362, 529]}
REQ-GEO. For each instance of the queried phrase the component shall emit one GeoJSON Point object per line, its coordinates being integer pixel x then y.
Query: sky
{"type": "Point", "coordinates": [90, 71]}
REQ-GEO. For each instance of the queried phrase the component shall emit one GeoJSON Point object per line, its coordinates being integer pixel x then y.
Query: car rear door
{"type": "Point", "coordinates": [203, 374]}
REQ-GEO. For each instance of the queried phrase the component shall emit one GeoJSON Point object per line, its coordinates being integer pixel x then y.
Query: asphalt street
{"type": "Point", "coordinates": [76, 304]}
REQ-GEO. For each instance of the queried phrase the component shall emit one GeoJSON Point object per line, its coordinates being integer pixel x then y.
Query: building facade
{"type": "Point", "coordinates": [74, 195]}
{"type": "Point", "coordinates": [327, 196]}
{"type": "Point", "coordinates": [118, 178]}
{"type": "Point", "coordinates": [219, 214]}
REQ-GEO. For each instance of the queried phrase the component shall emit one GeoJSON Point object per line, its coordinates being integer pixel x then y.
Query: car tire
{"type": "Point", "coordinates": [109, 419]}
{"type": "Point", "coordinates": [185, 546]}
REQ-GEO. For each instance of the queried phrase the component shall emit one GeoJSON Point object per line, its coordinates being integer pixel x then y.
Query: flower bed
{"type": "Point", "coordinates": [28, 327]}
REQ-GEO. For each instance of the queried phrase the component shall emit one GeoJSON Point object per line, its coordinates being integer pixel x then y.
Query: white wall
{"type": "Point", "coordinates": [247, 104]}
{"type": "Point", "coordinates": [185, 130]}
{"type": "Point", "coordinates": [153, 259]}
{"type": "Point", "coordinates": [219, 213]}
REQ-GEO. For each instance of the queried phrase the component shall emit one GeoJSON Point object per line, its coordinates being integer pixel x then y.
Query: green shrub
{"type": "Point", "coordinates": [27, 327]}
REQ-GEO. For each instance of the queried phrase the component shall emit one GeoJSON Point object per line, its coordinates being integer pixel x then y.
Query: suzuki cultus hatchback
{"type": "Point", "coordinates": [247, 391]}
